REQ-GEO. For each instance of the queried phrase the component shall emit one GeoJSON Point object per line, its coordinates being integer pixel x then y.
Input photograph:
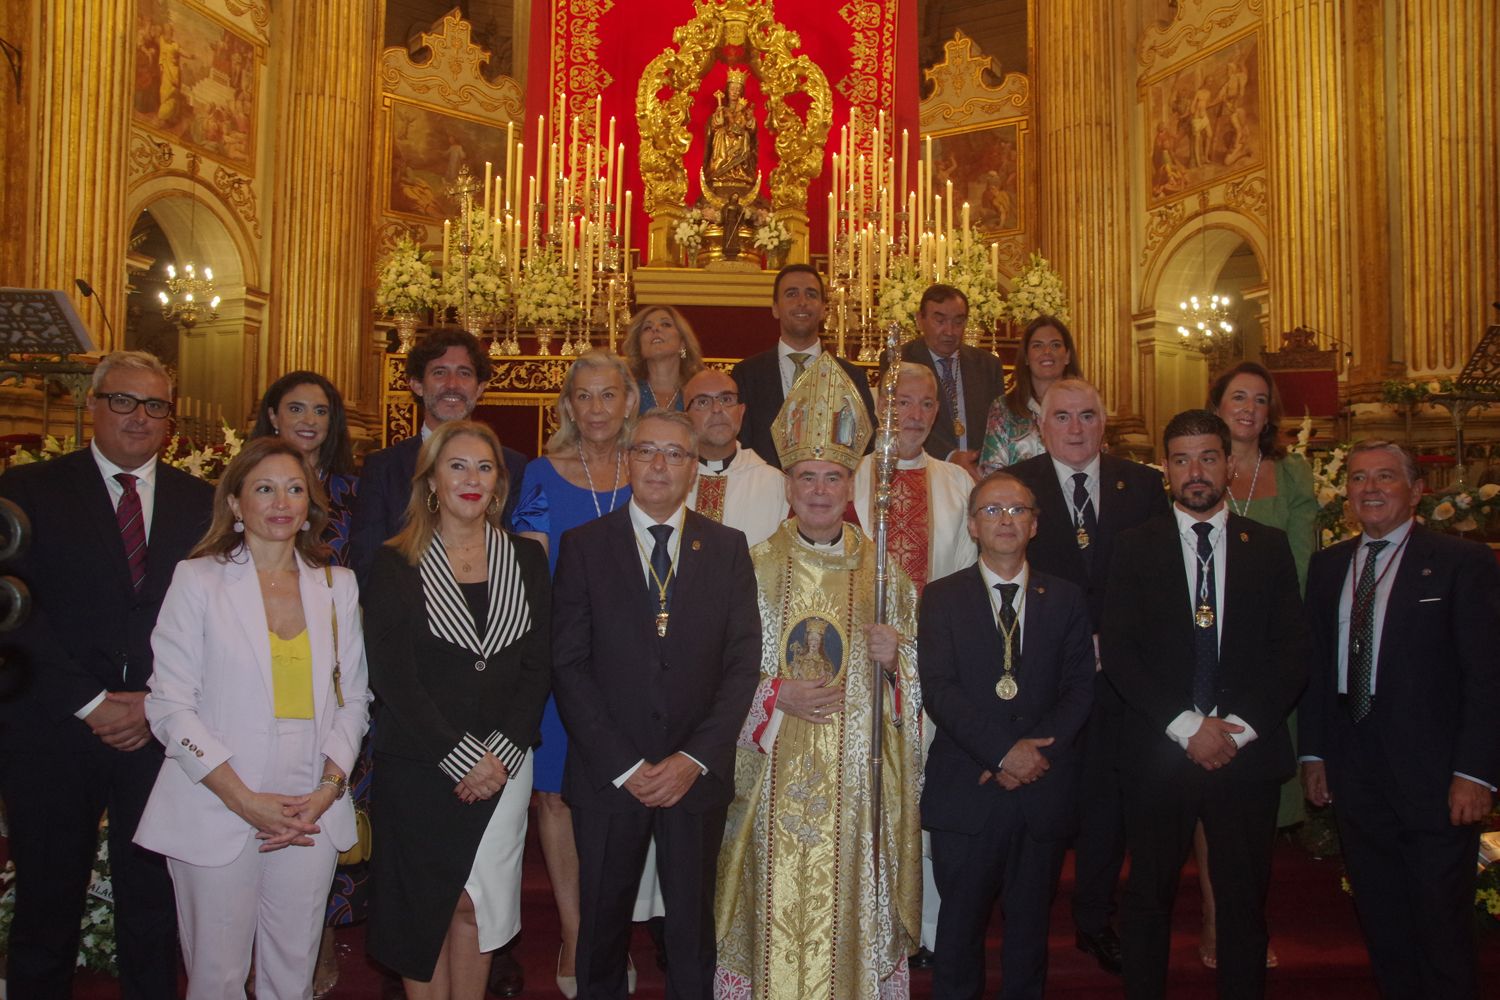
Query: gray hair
{"type": "Point", "coordinates": [1072, 383]}
{"type": "Point", "coordinates": [142, 361]}
{"type": "Point", "coordinates": [566, 436]}
{"type": "Point", "coordinates": [1001, 476]}
{"type": "Point", "coordinates": [915, 370]}
{"type": "Point", "coordinates": [676, 417]}
{"type": "Point", "coordinates": [1408, 462]}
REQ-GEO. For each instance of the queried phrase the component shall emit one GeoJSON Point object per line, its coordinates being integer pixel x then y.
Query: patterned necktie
{"type": "Point", "coordinates": [1084, 505]}
{"type": "Point", "coordinates": [949, 378]}
{"type": "Point", "coordinates": [1205, 638]}
{"type": "Point", "coordinates": [1362, 635]}
{"type": "Point", "coordinates": [799, 360]}
{"type": "Point", "coordinates": [1008, 631]}
{"type": "Point", "coordinates": [710, 501]}
{"type": "Point", "coordinates": [132, 529]}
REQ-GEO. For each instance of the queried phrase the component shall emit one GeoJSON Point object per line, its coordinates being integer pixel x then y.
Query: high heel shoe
{"type": "Point", "coordinates": [566, 985]}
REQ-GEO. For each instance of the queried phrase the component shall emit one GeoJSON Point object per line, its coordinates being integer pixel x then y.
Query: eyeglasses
{"type": "Point", "coordinates": [992, 511]}
{"type": "Point", "coordinates": [706, 400]}
{"type": "Point", "coordinates": [124, 402]}
{"type": "Point", "coordinates": [645, 454]}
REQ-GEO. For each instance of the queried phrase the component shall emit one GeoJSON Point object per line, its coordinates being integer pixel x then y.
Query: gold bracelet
{"type": "Point", "coordinates": [339, 783]}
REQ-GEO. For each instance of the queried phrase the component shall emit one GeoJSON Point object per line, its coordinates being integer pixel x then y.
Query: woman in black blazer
{"type": "Point", "coordinates": [459, 611]}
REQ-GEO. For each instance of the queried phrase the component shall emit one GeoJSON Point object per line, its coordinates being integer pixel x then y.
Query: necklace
{"type": "Point", "coordinates": [1235, 505]}
{"type": "Point", "coordinates": [268, 575]}
{"type": "Point", "coordinates": [1203, 614]}
{"type": "Point", "coordinates": [671, 403]}
{"type": "Point", "coordinates": [662, 615]}
{"type": "Point", "coordinates": [467, 566]}
{"type": "Point", "coordinates": [593, 493]}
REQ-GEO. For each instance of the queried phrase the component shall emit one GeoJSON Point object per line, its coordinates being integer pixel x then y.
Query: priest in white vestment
{"type": "Point", "coordinates": [735, 486]}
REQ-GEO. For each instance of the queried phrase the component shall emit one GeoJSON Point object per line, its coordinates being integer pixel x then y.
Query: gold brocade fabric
{"type": "Point", "coordinates": [800, 911]}
{"type": "Point", "coordinates": [711, 496]}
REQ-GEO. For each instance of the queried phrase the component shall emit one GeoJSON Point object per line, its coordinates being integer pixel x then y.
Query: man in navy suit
{"type": "Point", "coordinates": [656, 646]}
{"type": "Point", "coordinates": [1089, 499]}
{"type": "Point", "coordinates": [447, 372]}
{"type": "Point", "coordinates": [1398, 727]}
{"type": "Point", "coordinates": [1001, 796]}
{"type": "Point", "coordinates": [1204, 639]}
{"type": "Point", "coordinates": [110, 523]}
{"type": "Point", "coordinates": [765, 378]}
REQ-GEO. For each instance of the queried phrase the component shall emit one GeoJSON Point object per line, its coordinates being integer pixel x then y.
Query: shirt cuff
{"type": "Point", "coordinates": [508, 753]}
{"type": "Point", "coordinates": [701, 769]}
{"type": "Point", "coordinates": [620, 781]}
{"type": "Point", "coordinates": [1477, 781]}
{"type": "Point", "coordinates": [85, 711]}
{"type": "Point", "coordinates": [1185, 727]}
{"type": "Point", "coordinates": [1309, 760]}
{"type": "Point", "coordinates": [1240, 739]}
{"type": "Point", "coordinates": [462, 758]}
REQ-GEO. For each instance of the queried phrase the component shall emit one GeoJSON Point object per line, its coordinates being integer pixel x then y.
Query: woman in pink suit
{"type": "Point", "coordinates": [260, 697]}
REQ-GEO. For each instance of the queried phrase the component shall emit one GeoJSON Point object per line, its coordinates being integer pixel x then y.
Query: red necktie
{"type": "Point", "coordinates": [132, 529]}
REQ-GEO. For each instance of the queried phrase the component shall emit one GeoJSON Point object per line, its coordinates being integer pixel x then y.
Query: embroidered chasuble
{"type": "Point", "coordinates": [710, 501]}
{"type": "Point", "coordinates": [909, 537]}
{"type": "Point", "coordinates": [800, 911]}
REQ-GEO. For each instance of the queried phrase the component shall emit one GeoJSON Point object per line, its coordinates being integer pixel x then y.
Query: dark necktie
{"type": "Point", "coordinates": [1362, 635]}
{"type": "Point", "coordinates": [1084, 505]}
{"type": "Point", "coordinates": [132, 529]}
{"type": "Point", "coordinates": [950, 393]}
{"type": "Point", "coordinates": [1008, 631]}
{"type": "Point", "coordinates": [1205, 637]}
{"type": "Point", "coordinates": [661, 563]}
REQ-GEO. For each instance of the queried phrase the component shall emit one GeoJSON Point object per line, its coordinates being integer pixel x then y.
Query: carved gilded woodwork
{"type": "Point", "coordinates": [960, 93]}
{"type": "Point", "coordinates": [149, 155]}
{"type": "Point", "coordinates": [239, 192]}
{"type": "Point", "coordinates": [667, 88]}
{"type": "Point", "coordinates": [443, 70]}
{"type": "Point", "coordinates": [1198, 22]}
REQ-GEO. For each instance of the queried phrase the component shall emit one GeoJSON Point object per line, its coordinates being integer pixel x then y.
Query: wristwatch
{"type": "Point", "coordinates": [338, 782]}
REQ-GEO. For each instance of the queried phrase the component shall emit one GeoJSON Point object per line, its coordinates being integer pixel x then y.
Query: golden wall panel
{"type": "Point", "coordinates": [1310, 259]}
{"type": "Point", "coordinates": [1084, 197]}
{"type": "Point", "coordinates": [80, 128]}
{"type": "Point", "coordinates": [321, 199]}
{"type": "Point", "coordinates": [1448, 205]}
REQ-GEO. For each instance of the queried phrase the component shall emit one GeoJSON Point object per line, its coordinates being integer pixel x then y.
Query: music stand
{"type": "Point", "coordinates": [40, 337]}
{"type": "Point", "coordinates": [1476, 387]}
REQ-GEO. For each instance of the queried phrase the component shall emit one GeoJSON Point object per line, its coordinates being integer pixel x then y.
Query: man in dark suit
{"type": "Point", "coordinates": [1088, 499]}
{"type": "Point", "coordinates": [448, 372]}
{"type": "Point", "coordinates": [656, 653]}
{"type": "Point", "coordinates": [1204, 639]}
{"type": "Point", "coordinates": [765, 378]}
{"type": "Point", "coordinates": [969, 379]}
{"type": "Point", "coordinates": [1397, 728]}
{"type": "Point", "coordinates": [110, 523]}
{"type": "Point", "coordinates": [1001, 796]}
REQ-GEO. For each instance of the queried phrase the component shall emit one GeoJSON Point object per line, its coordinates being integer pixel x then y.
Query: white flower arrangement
{"type": "Point", "coordinates": [900, 294]}
{"type": "Point", "coordinates": [971, 274]}
{"type": "Point", "coordinates": [405, 283]}
{"type": "Point", "coordinates": [1330, 473]}
{"type": "Point", "coordinates": [1038, 291]}
{"type": "Point", "coordinates": [96, 939]}
{"type": "Point", "coordinates": [689, 233]}
{"type": "Point", "coordinates": [771, 233]}
{"type": "Point", "coordinates": [207, 462]}
{"type": "Point", "coordinates": [489, 282]}
{"type": "Point", "coordinates": [546, 296]}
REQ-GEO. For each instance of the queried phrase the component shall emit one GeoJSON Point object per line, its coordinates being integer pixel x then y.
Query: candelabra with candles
{"type": "Point", "coordinates": [563, 248]}
{"type": "Point", "coordinates": [888, 235]}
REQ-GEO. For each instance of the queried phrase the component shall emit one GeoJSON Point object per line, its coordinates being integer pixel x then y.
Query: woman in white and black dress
{"type": "Point", "coordinates": [457, 614]}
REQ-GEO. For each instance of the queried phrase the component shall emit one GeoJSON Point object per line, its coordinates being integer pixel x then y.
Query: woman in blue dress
{"type": "Point", "coordinates": [663, 353]}
{"type": "Point", "coordinates": [583, 474]}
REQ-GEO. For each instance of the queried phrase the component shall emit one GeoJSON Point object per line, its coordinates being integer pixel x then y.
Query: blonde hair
{"type": "Point", "coordinates": [421, 523]}
{"type": "Point", "coordinates": [565, 438]}
{"type": "Point", "coordinates": [688, 366]}
{"type": "Point", "coordinates": [143, 361]}
{"type": "Point", "coordinates": [223, 542]}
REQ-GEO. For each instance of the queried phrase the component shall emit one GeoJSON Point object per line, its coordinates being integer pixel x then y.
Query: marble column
{"type": "Point", "coordinates": [1306, 112]}
{"type": "Point", "coordinates": [80, 75]}
{"type": "Point", "coordinates": [322, 192]}
{"type": "Point", "coordinates": [1083, 169]}
{"type": "Point", "coordinates": [1448, 195]}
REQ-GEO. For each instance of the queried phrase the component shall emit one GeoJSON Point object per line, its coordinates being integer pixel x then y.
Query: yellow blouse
{"type": "Point", "coordinates": [291, 676]}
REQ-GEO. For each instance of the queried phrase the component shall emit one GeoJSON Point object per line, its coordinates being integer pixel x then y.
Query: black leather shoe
{"type": "Point", "coordinates": [922, 959]}
{"type": "Point", "coordinates": [507, 979]}
{"type": "Point", "coordinates": [656, 927]}
{"type": "Point", "coordinates": [1105, 947]}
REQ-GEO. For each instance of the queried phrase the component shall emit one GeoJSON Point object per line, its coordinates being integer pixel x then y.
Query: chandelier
{"type": "Point", "coordinates": [188, 294]}
{"type": "Point", "coordinates": [1206, 325]}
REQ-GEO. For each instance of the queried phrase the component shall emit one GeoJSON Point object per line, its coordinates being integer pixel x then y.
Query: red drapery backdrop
{"type": "Point", "coordinates": [588, 48]}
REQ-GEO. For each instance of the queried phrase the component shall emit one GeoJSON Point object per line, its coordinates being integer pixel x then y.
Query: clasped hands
{"type": "Point", "coordinates": [817, 700]}
{"type": "Point", "coordinates": [1211, 746]}
{"type": "Point", "coordinates": [663, 784]}
{"type": "Point", "coordinates": [1022, 764]}
{"type": "Point", "coordinates": [120, 720]}
{"type": "Point", "coordinates": [484, 780]}
{"type": "Point", "coordinates": [285, 820]}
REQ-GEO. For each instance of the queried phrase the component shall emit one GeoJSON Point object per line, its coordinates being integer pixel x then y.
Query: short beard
{"type": "Point", "coordinates": [1209, 500]}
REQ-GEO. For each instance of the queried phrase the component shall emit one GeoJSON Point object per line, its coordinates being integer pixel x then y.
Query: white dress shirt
{"type": "Point", "coordinates": [788, 367]}
{"type": "Point", "coordinates": [145, 487]}
{"type": "Point", "coordinates": [1065, 474]}
{"type": "Point", "coordinates": [1186, 725]}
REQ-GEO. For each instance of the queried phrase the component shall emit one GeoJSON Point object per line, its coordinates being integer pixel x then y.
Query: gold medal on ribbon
{"type": "Point", "coordinates": [1007, 688]}
{"type": "Point", "coordinates": [661, 624]}
{"type": "Point", "coordinates": [958, 428]}
{"type": "Point", "coordinates": [1083, 536]}
{"type": "Point", "coordinates": [1204, 616]}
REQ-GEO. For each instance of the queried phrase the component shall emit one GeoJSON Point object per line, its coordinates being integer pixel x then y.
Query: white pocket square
{"type": "Point", "coordinates": [1428, 600]}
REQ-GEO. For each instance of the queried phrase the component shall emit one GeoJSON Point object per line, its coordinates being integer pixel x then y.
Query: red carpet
{"type": "Point", "coordinates": [1312, 929]}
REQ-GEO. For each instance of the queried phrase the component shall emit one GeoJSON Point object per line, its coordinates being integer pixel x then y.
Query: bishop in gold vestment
{"type": "Point", "coordinates": [801, 911]}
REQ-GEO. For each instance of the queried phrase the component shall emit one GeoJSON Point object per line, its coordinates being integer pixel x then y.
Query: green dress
{"type": "Point", "coordinates": [1294, 509]}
